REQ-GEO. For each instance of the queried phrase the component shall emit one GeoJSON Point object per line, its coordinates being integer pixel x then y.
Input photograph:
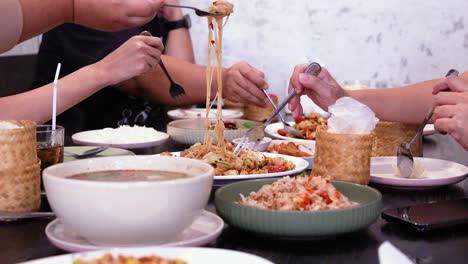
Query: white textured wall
{"type": "Point", "coordinates": [382, 43]}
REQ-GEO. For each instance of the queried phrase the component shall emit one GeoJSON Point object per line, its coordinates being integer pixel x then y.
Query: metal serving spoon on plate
{"type": "Point", "coordinates": [286, 126]}
{"type": "Point", "coordinates": [405, 160]}
{"type": "Point", "coordinates": [87, 153]}
{"type": "Point", "coordinates": [5, 217]}
{"type": "Point", "coordinates": [257, 133]}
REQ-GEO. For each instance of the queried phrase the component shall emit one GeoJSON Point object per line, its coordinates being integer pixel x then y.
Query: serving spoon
{"type": "Point", "coordinates": [405, 159]}
{"type": "Point", "coordinates": [257, 133]}
{"type": "Point", "coordinates": [87, 153]}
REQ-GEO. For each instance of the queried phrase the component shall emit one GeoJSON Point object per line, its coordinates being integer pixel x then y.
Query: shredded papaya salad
{"type": "Point", "coordinates": [298, 194]}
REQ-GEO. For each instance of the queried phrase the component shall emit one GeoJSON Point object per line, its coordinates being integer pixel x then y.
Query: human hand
{"type": "Point", "coordinates": [243, 83]}
{"type": "Point", "coordinates": [136, 56]}
{"type": "Point", "coordinates": [114, 15]}
{"type": "Point", "coordinates": [171, 13]}
{"type": "Point", "coordinates": [451, 108]}
{"type": "Point", "coordinates": [323, 89]}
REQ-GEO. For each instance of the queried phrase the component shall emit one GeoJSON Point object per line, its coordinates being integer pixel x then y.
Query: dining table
{"type": "Point", "coordinates": [25, 240]}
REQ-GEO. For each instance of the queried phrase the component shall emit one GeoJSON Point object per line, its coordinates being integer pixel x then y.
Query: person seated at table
{"type": "Point", "coordinates": [141, 100]}
{"type": "Point", "coordinates": [408, 104]}
{"type": "Point", "coordinates": [134, 57]}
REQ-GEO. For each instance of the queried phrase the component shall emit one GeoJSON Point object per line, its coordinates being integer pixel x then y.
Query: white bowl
{"type": "Point", "coordinates": [128, 213]}
{"type": "Point", "coordinates": [309, 144]}
{"type": "Point", "coordinates": [191, 131]}
{"type": "Point", "coordinates": [262, 146]}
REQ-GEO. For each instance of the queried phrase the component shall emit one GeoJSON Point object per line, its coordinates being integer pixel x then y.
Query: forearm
{"type": "Point", "coordinates": [155, 85]}
{"type": "Point", "coordinates": [408, 104]}
{"type": "Point", "coordinates": [179, 45]}
{"type": "Point", "coordinates": [52, 13]}
{"type": "Point", "coordinates": [37, 104]}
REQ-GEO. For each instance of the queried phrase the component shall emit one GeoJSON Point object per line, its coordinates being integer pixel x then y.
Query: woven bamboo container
{"type": "Point", "coordinates": [389, 135]}
{"type": "Point", "coordinates": [343, 157]}
{"type": "Point", "coordinates": [18, 146]}
{"type": "Point", "coordinates": [260, 114]}
{"type": "Point", "coordinates": [20, 189]}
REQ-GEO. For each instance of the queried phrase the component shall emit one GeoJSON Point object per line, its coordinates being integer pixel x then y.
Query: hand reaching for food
{"type": "Point", "coordinates": [136, 56]}
{"type": "Point", "coordinates": [451, 111]}
{"type": "Point", "coordinates": [114, 15]}
{"type": "Point", "coordinates": [243, 83]}
{"type": "Point", "coordinates": [323, 89]}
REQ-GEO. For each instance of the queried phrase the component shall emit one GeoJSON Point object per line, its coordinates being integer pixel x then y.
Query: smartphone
{"type": "Point", "coordinates": [429, 216]}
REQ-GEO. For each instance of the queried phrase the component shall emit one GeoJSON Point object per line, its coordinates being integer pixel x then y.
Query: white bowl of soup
{"type": "Point", "coordinates": [128, 200]}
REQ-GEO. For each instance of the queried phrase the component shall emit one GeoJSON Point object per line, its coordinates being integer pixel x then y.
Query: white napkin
{"type": "Point", "coordinates": [389, 254]}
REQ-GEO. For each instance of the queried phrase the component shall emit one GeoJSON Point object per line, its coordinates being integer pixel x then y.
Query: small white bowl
{"type": "Point", "coordinates": [191, 131]}
{"type": "Point", "coordinates": [262, 146]}
{"type": "Point", "coordinates": [128, 213]}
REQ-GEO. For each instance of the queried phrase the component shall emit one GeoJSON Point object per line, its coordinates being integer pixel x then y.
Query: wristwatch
{"type": "Point", "coordinates": [185, 22]}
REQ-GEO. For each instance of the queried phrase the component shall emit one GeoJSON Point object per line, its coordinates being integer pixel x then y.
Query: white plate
{"type": "Point", "coordinates": [92, 138]}
{"type": "Point", "coordinates": [300, 166]}
{"type": "Point", "coordinates": [272, 131]}
{"type": "Point", "coordinates": [438, 173]}
{"type": "Point", "coordinates": [206, 228]}
{"type": "Point", "coordinates": [310, 144]}
{"type": "Point", "coordinates": [190, 255]}
{"type": "Point", "coordinates": [201, 112]}
{"type": "Point", "coordinates": [429, 130]}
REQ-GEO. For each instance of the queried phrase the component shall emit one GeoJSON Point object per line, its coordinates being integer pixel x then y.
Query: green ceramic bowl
{"type": "Point", "coordinates": [298, 225]}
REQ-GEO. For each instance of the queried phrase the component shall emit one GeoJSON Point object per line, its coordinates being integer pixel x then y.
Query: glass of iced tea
{"type": "Point", "coordinates": [50, 145]}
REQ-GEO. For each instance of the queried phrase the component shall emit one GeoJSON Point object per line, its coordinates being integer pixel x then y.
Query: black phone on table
{"type": "Point", "coordinates": [431, 215]}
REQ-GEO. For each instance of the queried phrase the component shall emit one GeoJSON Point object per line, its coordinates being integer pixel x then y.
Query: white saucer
{"type": "Point", "coordinates": [437, 173]}
{"type": "Point", "coordinates": [206, 228]}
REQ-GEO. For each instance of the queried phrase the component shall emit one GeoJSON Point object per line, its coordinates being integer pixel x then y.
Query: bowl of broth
{"type": "Point", "coordinates": [128, 200]}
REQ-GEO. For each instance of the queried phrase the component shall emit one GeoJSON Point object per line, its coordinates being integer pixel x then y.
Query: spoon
{"type": "Point", "coordinates": [405, 160]}
{"type": "Point", "coordinates": [286, 126]}
{"type": "Point", "coordinates": [5, 217]}
{"type": "Point", "coordinates": [257, 133]}
{"type": "Point", "coordinates": [87, 153]}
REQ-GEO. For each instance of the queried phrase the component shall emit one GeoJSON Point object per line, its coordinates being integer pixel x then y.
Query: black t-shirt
{"type": "Point", "coordinates": [75, 47]}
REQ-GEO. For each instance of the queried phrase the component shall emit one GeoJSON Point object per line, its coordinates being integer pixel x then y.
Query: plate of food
{"type": "Point", "coordinates": [427, 173]}
{"type": "Point", "coordinates": [307, 125]}
{"type": "Point", "coordinates": [298, 208]}
{"type": "Point", "coordinates": [191, 131]}
{"type": "Point", "coordinates": [126, 137]}
{"type": "Point", "coordinates": [248, 165]}
{"type": "Point", "coordinates": [155, 255]}
{"type": "Point", "coordinates": [304, 150]}
{"type": "Point", "coordinates": [194, 113]}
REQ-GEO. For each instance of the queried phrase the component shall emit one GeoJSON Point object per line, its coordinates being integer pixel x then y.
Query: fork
{"type": "Point", "coordinates": [257, 133]}
{"type": "Point", "coordinates": [286, 126]}
{"type": "Point", "coordinates": [405, 160]}
{"type": "Point", "coordinates": [198, 12]}
{"type": "Point", "coordinates": [175, 89]}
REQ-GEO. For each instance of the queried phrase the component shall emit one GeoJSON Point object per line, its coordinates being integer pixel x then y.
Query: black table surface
{"type": "Point", "coordinates": [26, 240]}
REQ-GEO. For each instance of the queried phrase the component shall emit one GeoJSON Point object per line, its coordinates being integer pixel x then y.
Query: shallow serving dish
{"type": "Point", "coordinates": [191, 131]}
{"type": "Point", "coordinates": [132, 213]}
{"type": "Point", "coordinates": [294, 225]}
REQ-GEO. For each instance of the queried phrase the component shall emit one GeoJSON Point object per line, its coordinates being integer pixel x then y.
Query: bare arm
{"type": "Point", "coordinates": [134, 57]}
{"type": "Point", "coordinates": [241, 83]}
{"type": "Point", "coordinates": [179, 42]}
{"type": "Point", "coordinates": [37, 104]}
{"type": "Point", "coordinates": [408, 104]}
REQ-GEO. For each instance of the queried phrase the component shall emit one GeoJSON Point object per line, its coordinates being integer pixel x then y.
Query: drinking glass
{"type": "Point", "coordinates": [50, 145]}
